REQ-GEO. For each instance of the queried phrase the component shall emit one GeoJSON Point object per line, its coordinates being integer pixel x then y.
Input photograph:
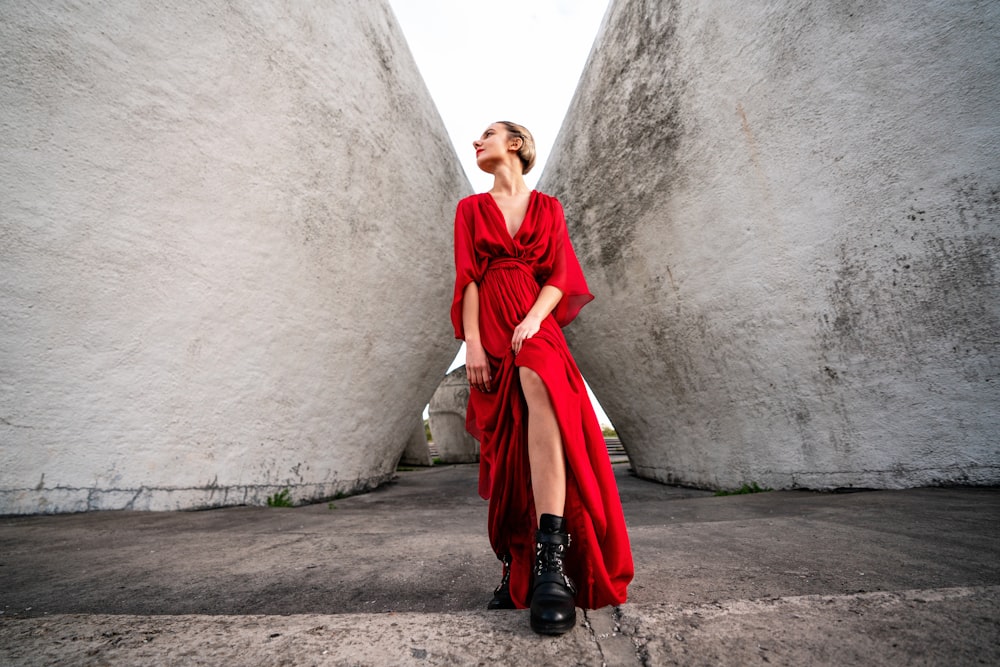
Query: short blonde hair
{"type": "Point", "coordinates": [527, 151]}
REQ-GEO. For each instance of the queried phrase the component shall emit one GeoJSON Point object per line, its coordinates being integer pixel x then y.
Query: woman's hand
{"type": "Point", "coordinates": [477, 366]}
{"type": "Point", "coordinates": [526, 329]}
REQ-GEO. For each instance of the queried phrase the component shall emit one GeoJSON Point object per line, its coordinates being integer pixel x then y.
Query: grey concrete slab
{"type": "Point", "coordinates": [401, 576]}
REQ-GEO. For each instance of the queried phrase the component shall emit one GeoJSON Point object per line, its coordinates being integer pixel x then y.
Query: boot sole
{"type": "Point", "coordinates": [499, 606]}
{"type": "Point", "coordinates": [553, 628]}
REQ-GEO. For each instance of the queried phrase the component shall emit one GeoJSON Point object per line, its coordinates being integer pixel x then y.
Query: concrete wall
{"type": "Point", "coordinates": [789, 214]}
{"type": "Point", "coordinates": [222, 274]}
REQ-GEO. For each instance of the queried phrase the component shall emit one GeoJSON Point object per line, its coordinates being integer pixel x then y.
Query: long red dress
{"type": "Point", "coordinates": [510, 272]}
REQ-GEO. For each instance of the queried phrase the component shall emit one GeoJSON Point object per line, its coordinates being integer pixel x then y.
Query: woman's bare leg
{"type": "Point", "coordinates": [545, 447]}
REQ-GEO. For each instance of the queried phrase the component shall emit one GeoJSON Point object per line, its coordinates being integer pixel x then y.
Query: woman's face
{"type": "Point", "coordinates": [492, 147]}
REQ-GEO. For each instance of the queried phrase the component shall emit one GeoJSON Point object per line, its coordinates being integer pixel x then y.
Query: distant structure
{"type": "Point", "coordinates": [417, 451]}
{"type": "Point", "coordinates": [222, 276]}
{"type": "Point", "coordinates": [447, 411]}
{"type": "Point", "coordinates": [789, 214]}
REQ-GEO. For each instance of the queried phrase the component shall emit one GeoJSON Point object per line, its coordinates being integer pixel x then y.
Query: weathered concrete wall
{"type": "Point", "coordinates": [789, 214]}
{"type": "Point", "coordinates": [222, 272]}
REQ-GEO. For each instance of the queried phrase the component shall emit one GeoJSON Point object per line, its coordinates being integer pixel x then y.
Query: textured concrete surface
{"type": "Point", "coordinates": [401, 576]}
{"type": "Point", "coordinates": [789, 214]}
{"type": "Point", "coordinates": [221, 275]}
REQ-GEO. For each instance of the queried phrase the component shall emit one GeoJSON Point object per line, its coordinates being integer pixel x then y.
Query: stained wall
{"type": "Point", "coordinates": [222, 273]}
{"type": "Point", "coordinates": [788, 212]}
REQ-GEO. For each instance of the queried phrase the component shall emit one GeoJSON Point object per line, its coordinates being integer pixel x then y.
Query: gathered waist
{"type": "Point", "coordinates": [509, 262]}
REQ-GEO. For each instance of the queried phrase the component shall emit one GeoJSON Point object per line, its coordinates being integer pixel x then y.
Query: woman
{"type": "Point", "coordinates": [543, 464]}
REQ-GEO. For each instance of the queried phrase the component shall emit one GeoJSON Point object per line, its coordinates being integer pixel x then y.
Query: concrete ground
{"type": "Point", "coordinates": [401, 576]}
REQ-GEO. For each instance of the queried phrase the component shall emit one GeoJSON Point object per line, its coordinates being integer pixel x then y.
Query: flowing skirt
{"type": "Point", "coordinates": [599, 559]}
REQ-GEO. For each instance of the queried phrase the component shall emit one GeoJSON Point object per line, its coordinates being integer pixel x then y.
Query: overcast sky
{"type": "Point", "coordinates": [518, 60]}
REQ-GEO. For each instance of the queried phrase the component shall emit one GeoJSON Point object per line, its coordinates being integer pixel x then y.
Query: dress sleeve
{"type": "Point", "coordinates": [566, 272]}
{"type": "Point", "coordinates": [468, 267]}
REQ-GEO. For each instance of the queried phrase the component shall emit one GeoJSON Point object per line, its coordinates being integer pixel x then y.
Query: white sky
{"type": "Point", "coordinates": [517, 60]}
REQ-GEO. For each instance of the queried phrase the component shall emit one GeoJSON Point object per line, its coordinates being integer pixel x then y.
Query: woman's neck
{"type": "Point", "coordinates": [509, 182]}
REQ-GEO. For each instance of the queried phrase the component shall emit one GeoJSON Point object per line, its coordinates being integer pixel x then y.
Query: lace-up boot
{"type": "Point", "coordinates": [501, 594]}
{"type": "Point", "coordinates": [553, 609]}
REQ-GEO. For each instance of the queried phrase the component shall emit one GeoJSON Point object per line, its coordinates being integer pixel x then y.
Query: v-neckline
{"type": "Point", "coordinates": [503, 218]}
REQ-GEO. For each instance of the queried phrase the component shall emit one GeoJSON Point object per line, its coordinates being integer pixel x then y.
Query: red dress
{"type": "Point", "coordinates": [510, 272]}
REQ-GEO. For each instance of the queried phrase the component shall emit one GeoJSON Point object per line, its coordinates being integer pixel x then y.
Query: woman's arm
{"type": "Point", "coordinates": [548, 299]}
{"type": "Point", "coordinates": [477, 367]}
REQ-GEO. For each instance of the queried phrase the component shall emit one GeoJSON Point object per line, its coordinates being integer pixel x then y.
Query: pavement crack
{"type": "Point", "coordinates": [593, 635]}
{"type": "Point", "coordinates": [616, 647]}
{"type": "Point", "coordinates": [631, 631]}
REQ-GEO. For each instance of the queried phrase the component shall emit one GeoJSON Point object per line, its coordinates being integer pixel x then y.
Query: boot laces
{"type": "Point", "coordinates": [549, 558]}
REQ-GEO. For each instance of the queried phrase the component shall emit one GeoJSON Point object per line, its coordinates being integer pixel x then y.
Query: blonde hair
{"type": "Point", "coordinates": [527, 151]}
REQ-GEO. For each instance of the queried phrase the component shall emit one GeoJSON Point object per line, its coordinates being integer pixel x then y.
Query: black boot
{"type": "Point", "coordinates": [553, 609]}
{"type": "Point", "coordinates": [501, 595]}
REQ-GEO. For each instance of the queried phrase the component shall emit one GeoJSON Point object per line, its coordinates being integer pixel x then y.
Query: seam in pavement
{"type": "Point", "coordinates": [593, 635]}
{"type": "Point", "coordinates": [631, 617]}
